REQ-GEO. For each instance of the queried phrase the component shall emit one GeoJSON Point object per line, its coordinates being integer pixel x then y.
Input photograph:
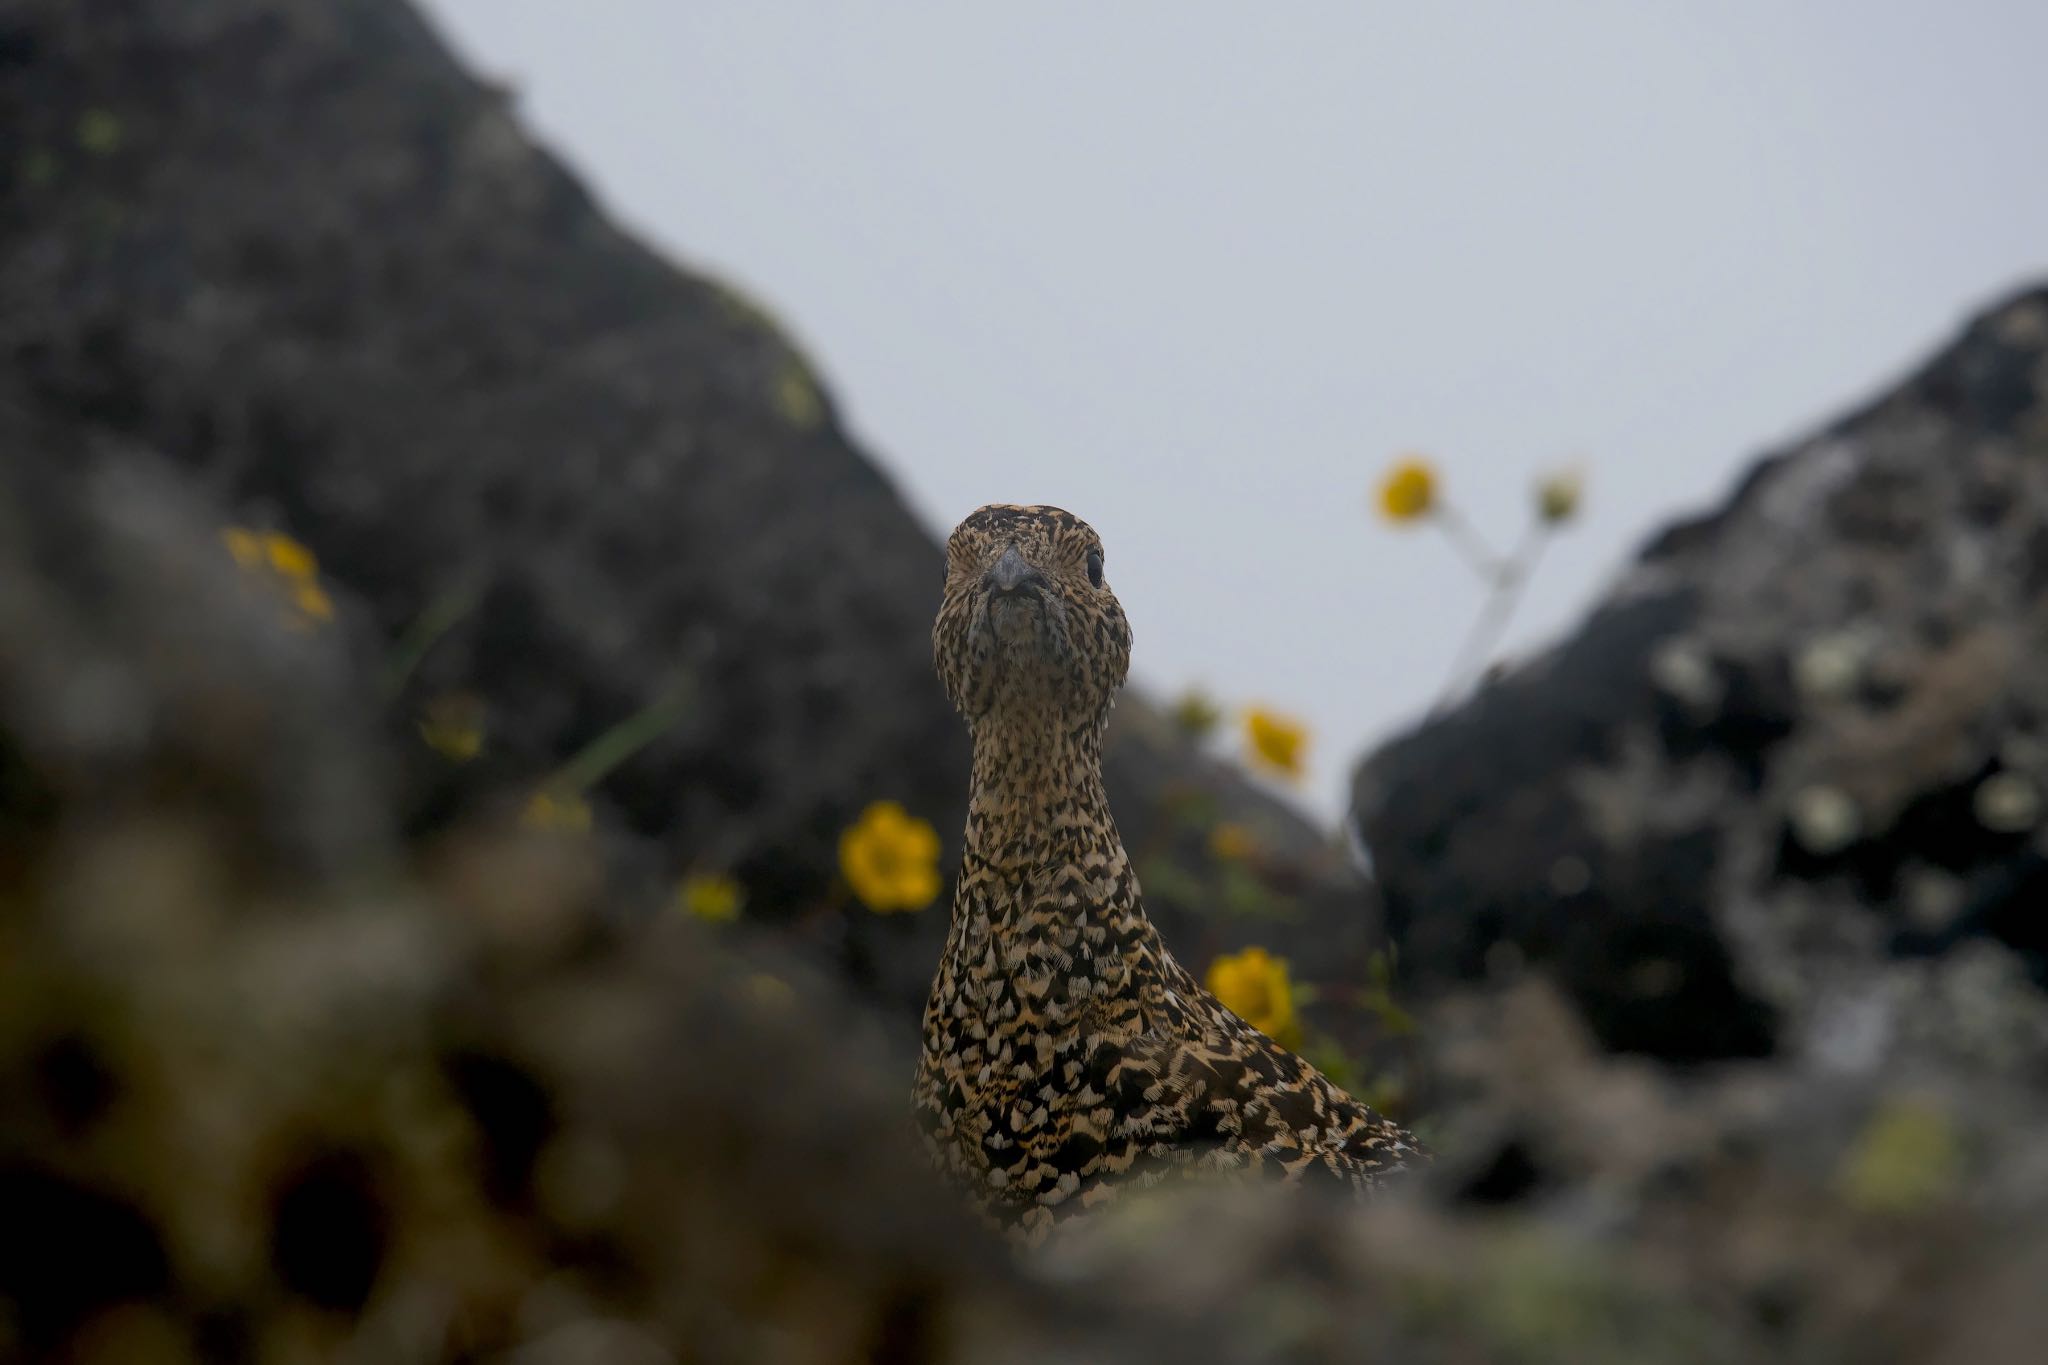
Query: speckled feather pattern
{"type": "Point", "coordinates": [1067, 1056]}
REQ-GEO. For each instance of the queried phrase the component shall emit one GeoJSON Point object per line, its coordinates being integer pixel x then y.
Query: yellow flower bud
{"type": "Point", "coordinates": [1277, 742]}
{"type": "Point", "coordinates": [714, 898]}
{"type": "Point", "coordinates": [1408, 493]}
{"type": "Point", "coordinates": [1557, 496]}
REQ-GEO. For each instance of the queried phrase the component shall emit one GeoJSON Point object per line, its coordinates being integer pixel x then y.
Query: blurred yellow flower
{"type": "Point", "coordinates": [891, 859]}
{"type": "Point", "coordinates": [289, 564]}
{"type": "Point", "coordinates": [453, 725]}
{"type": "Point", "coordinates": [1195, 714]}
{"type": "Point", "coordinates": [290, 558]}
{"type": "Point", "coordinates": [99, 132]}
{"type": "Point", "coordinates": [1907, 1158]}
{"type": "Point", "coordinates": [245, 545]}
{"type": "Point", "coordinates": [556, 813]}
{"type": "Point", "coordinates": [714, 898]}
{"type": "Point", "coordinates": [797, 397]}
{"type": "Point", "coordinates": [313, 603]}
{"type": "Point", "coordinates": [1254, 986]}
{"type": "Point", "coordinates": [1230, 842]}
{"type": "Point", "coordinates": [1557, 495]}
{"type": "Point", "coordinates": [1277, 742]}
{"type": "Point", "coordinates": [1408, 493]}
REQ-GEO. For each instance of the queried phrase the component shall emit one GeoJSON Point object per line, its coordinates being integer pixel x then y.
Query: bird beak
{"type": "Point", "coordinates": [1012, 573]}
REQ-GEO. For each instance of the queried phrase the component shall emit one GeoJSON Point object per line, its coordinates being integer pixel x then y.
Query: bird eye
{"type": "Point", "coordinates": [1095, 567]}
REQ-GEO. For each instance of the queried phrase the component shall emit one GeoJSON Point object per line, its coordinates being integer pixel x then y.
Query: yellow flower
{"type": "Point", "coordinates": [1194, 714]}
{"type": "Point", "coordinates": [1231, 843]}
{"type": "Point", "coordinates": [556, 813]}
{"type": "Point", "coordinates": [313, 603]}
{"type": "Point", "coordinates": [290, 558]}
{"type": "Point", "coordinates": [1557, 495]}
{"type": "Point", "coordinates": [245, 545]}
{"type": "Point", "coordinates": [891, 859]}
{"type": "Point", "coordinates": [289, 566]}
{"type": "Point", "coordinates": [1254, 986]}
{"type": "Point", "coordinates": [1408, 493]}
{"type": "Point", "coordinates": [453, 726]}
{"type": "Point", "coordinates": [714, 898]}
{"type": "Point", "coordinates": [1277, 742]}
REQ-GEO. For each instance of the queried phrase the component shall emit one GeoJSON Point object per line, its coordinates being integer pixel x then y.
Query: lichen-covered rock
{"type": "Point", "coordinates": [1784, 790]}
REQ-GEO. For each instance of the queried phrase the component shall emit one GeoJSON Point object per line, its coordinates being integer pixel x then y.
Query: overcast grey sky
{"type": "Point", "coordinates": [1198, 271]}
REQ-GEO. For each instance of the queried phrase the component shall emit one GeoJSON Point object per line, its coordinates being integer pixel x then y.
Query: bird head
{"type": "Point", "coordinates": [1028, 627]}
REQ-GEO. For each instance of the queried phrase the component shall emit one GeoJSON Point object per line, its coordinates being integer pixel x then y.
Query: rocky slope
{"type": "Point", "coordinates": [297, 257]}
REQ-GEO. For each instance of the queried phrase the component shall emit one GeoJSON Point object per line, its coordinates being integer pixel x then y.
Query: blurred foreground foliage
{"type": "Point", "coordinates": [281, 1086]}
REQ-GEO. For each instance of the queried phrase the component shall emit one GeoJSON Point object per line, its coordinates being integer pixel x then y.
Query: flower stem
{"type": "Point", "coordinates": [594, 760]}
{"type": "Point", "coordinates": [438, 618]}
{"type": "Point", "coordinates": [1467, 541]}
{"type": "Point", "coordinates": [1508, 581]}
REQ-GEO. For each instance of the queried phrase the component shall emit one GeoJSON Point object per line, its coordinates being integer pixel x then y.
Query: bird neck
{"type": "Point", "coordinates": [1045, 887]}
{"type": "Point", "coordinates": [1037, 799]}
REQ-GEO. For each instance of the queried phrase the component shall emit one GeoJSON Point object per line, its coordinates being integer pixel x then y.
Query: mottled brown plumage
{"type": "Point", "coordinates": [1066, 1054]}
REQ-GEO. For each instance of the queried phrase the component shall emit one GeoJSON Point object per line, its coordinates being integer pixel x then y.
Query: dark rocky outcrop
{"type": "Point", "coordinates": [1784, 790]}
{"type": "Point", "coordinates": [297, 257]}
